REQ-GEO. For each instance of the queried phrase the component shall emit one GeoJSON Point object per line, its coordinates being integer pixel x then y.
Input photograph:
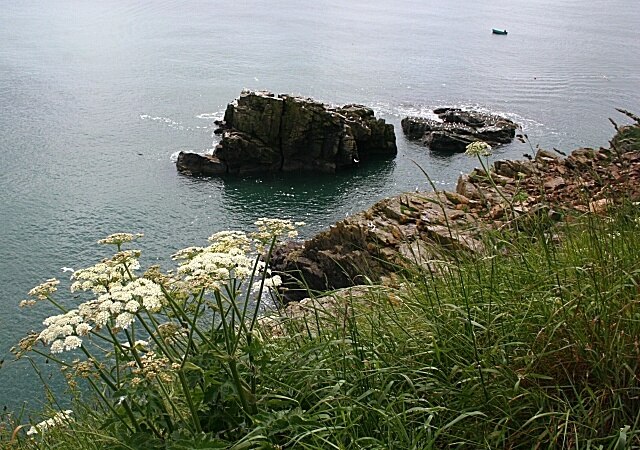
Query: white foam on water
{"type": "Point", "coordinates": [207, 151]}
{"type": "Point", "coordinates": [218, 115]}
{"type": "Point", "coordinates": [426, 110]}
{"type": "Point", "coordinates": [169, 122]}
{"type": "Point", "coordinates": [210, 117]}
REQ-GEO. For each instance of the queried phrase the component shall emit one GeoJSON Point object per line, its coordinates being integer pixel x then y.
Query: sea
{"type": "Point", "coordinates": [98, 97]}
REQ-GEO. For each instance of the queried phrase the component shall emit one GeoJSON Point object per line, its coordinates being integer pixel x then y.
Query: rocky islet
{"type": "Point", "coordinates": [456, 128]}
{"type": "Point", "coordinates": [263, 132]}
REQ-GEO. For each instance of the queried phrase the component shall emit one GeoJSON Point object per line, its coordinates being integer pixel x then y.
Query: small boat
{"type": "Point", "coordinates": [499, 31]}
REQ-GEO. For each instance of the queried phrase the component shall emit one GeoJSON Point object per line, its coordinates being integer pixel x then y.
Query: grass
{"type": "Point", "coordinates": [533, 344]}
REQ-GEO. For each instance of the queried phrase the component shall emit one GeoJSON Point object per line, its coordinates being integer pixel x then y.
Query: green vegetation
{"type": "Point", "coordinates": [533, 343]}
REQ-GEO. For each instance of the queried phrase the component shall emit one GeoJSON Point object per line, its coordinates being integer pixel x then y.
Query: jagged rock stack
{"type": "Point", "coordinates": [456, 129]}
{"type": "Point", "coordinates": [263, 132]}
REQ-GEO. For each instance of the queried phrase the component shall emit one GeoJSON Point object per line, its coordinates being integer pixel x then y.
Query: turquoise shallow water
{"type": "Point", "coordinates": [97, 97]}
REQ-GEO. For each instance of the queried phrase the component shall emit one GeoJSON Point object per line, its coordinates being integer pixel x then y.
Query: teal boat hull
{"type": "Point", "coordinates": [499, 31]}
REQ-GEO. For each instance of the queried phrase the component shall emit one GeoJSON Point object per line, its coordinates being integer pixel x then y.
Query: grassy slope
{"type": "Point", "coordinates": [534, 345]}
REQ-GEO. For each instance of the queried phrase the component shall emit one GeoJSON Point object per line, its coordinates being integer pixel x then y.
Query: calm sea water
{"type": "Point", "coordinates": [97, 97]}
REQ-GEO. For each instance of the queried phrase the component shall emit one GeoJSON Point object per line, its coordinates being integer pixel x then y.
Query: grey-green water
{"type": "Point", "coordinates": [96, 98]}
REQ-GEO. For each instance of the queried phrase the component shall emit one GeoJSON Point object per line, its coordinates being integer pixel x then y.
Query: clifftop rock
{"type": "Point", "coordinates": [263, 132]}
{"type": "Point", "coordinates": [421, 228]}
{"type": "Point", "coordinates": [457, 128]}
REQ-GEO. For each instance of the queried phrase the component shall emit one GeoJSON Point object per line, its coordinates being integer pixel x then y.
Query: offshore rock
{"type": "Point", "coordinates": [200, 164]}
{"type": "Point", "coordinates": [456, 129]}
{"type": "Point", "coordinates": [263, 132]}
{"type": "Point", "coordinates": [422, 229]}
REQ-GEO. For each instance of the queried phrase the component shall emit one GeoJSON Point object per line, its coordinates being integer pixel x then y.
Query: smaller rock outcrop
{"type": "Point", "coordinates": [263, 132]}
{"type": "Point", "coordinates": [456, 129]}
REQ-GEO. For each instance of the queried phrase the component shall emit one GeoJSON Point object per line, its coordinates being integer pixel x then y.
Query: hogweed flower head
{"type": "Point", "coordinates": [26, 344]}
{"type": "Point", "coordinates": [44, 290]}
{"type": "Point", "coordinates": [270, 229]}
{"type": "Point", "coordinates": [120, 238]}
{"type": "Point", "coordinates": [99, 277]}
{"type": "Point", "coordinates": [187, 253]}
{"type": "Point", "coordinates": [270, 283]}
{"type": "Point", "coordinates": [225, 241]}
{"type": "Point", "coordinates": [116, 307]}
{"type": "Point", "coordinates": [478, 148]}
{"type": "Point", "coordinates": [59, 327]}
{"type": "Point", "coordinates": [211, 268]}
{"type": "Point", "coordinates": [154, 366]}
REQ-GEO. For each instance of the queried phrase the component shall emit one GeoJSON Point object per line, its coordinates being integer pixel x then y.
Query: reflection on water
{"type": "Point", "coordinates": [318, 199]}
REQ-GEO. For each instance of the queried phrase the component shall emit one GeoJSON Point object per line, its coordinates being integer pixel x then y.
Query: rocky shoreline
{"type": "Point", "coordinates": [417, 228]}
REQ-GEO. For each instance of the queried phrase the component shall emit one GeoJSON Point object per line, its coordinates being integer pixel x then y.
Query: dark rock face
{"type": "Point", "coordinates": [457, 129]}
{"type": "Point", "coordinates": [262, 132]}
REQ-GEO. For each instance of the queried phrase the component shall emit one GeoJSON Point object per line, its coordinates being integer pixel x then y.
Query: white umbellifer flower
{"type": "Point", "coordinates": [105, 302]}
{"type": "Point", "coordinates": [72, 342]}
{"type": "Point", "coordinates": [124, 320]}
{"type": "Point", "coordinates": [83, 329]}
{"type": "Point", "coordinates": [57, 346]}
{"type": "Point", "coordinates": [270, 229]}
{"type": "Point", "coordinates": [43, 290]}
{"type": "Point", "coordinates": [59, 326]}
{"type": "Point", "coordinates": [187, 253]}
{"type": "Point", "coordinates": [273, 282]}
{"type": "Point", "coordinates": [211, 267]}
{"type": "Point", "coordinates": [121, 298]}
{"type": "Point", "coordinates": [152, 303]}
{"type": "Point", "coordinates": [225, 241]}
{"type": "Point", "coordinates": [132, 306]}
{"type": "Point", "coordinates": [96, 278]}
{"type": "Point", "coordinates": [478, 148]}
{"type": "Point", "coordinates": [103, 276]}
{"type": "Point", "coordinates": [227, 258]}
{"type": "Point", "coordinates": [102, 318]}
{"type": "Point", "coordinates": [120, 238]}
{"type": "Point", "coordinates": [270, 283]}
{"type": "Point", "coordinates": [115, 307]}
{"type": "Point", "coordinates": [150, 292]}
